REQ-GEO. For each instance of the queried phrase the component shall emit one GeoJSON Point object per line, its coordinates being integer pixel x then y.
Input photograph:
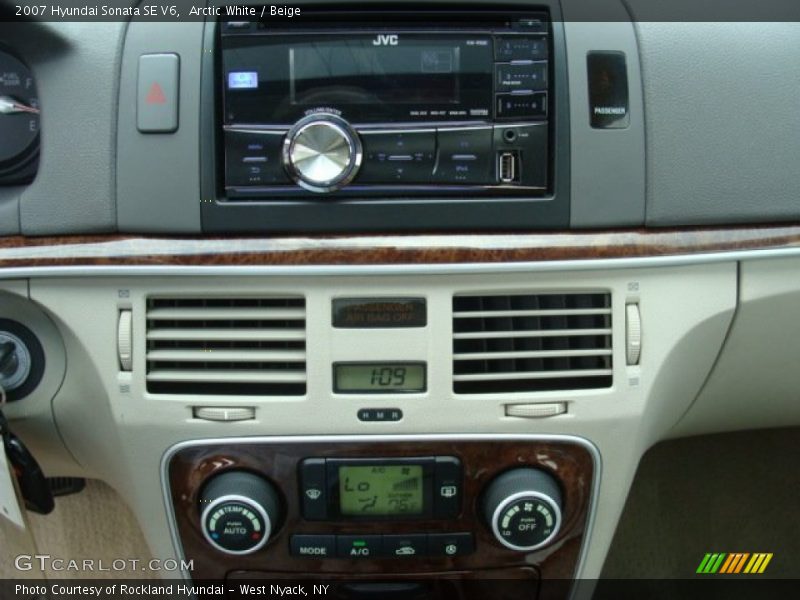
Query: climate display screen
{"type": "Point", "coordinates": [381, 490]}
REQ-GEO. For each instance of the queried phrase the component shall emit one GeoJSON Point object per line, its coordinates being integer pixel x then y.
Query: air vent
{"type": "Point", "coordinates": [531, 342]}
{"type": "Point", "coordinates": [234, 346]}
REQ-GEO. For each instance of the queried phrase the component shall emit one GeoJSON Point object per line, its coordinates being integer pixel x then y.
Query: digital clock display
{"type": "Point", "coordinates": [380, 490]}
{"type": "Point", "coordinates": [376, 378]}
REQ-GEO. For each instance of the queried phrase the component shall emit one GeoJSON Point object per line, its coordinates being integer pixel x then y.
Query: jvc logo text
{"type": "Point", "coordinates": [385, 40]}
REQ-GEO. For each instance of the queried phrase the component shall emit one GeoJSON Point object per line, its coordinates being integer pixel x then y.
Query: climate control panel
{"type": "Point", "coordinates": [399, 504]}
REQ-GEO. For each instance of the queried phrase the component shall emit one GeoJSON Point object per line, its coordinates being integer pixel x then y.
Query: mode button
{"type": "Point", "coordinates": [313, 546]}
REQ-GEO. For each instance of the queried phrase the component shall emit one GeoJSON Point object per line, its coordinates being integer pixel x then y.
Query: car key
{"type": "Point", "coordinates": [32, 483]}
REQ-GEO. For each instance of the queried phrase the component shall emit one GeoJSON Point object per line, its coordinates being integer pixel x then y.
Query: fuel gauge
{"type": "Point", "coordinates": [19, 121]}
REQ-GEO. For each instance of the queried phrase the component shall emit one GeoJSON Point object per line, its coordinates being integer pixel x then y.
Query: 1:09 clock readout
{"type": "Point", "coordinates": [376, 378]}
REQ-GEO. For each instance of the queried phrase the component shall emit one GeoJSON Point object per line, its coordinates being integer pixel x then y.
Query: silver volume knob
{"type": "Point", "coordinates": [322, 153]}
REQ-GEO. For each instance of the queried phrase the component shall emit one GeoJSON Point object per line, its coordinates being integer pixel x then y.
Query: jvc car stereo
{"type": "Point", "coordinates": [352, 105]}
{"type": "Point", "coordinates": [355, 119]}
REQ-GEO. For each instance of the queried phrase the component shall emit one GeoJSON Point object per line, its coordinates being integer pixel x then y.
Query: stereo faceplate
{"type": "Point", "coordinates": [425, 100]}
{"type": "Point", "coordinates": [482, 121]}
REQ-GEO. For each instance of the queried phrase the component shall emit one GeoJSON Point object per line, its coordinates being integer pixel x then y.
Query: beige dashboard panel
{"type": "Point", "coordinates": [685, 316]}
{"type": "Point", "coordinates": [756, 380]}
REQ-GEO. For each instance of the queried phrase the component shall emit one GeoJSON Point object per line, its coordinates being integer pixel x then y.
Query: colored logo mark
{"type": "Point", "coordinates": [734, 563]}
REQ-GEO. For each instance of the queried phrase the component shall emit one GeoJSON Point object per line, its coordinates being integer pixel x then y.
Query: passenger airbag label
{"type": "Point", "coordinates": [379, 312]}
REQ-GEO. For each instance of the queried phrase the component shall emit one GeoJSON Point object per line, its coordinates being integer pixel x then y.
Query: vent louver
{"type": "Point", "coordinates": [236, 346]}
{"type": "Point", "coordinates": [531, 342]}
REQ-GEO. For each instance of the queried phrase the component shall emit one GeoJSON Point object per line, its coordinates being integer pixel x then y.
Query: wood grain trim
{"type": "Point", "coordinates": [482, 460]}
{"type": "Point", "coordinates": [383, 250]}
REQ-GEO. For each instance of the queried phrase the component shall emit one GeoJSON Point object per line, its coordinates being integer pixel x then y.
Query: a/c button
{"type": "Point", "coordinates": [358, 546]}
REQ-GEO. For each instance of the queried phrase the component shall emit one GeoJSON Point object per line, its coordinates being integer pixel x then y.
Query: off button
{"type": "Point", "coordinates": [313, 546]}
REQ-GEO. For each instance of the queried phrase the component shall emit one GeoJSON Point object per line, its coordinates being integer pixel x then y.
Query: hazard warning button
{"type": "Point", "coordinates": [157, 93]}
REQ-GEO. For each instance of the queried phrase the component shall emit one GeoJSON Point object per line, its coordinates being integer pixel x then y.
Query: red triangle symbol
{"type": "Point", "coordinates": [155, 95]}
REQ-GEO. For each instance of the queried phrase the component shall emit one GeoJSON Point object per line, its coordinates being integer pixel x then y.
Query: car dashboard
{"type": "Point", "coordinates": [377, 295]}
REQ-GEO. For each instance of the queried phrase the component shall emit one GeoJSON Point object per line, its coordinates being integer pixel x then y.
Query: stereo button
{"type": "Point", "coordinates": [313, 546]}
{"type": "Point", "coordinates": [397, 157]}
{"type": "Point", "coordinates": [531, 76]}
{"type": "Point", "coordinates": [520, 48]}
{"type": "Point", "coordinates": [514, 106]}
{"type": "Point", "coordinates": [464, 156]}
{"type": "Point", "coordinates": [253, 158]}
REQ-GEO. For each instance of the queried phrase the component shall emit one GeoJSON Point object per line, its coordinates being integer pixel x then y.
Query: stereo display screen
{"type": "Point", "coordinates": [358, 71]}
{"type": "Point", "coordinates": [365, 78]}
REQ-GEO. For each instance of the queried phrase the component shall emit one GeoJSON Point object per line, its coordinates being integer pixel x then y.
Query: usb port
{"type": "Point", "coordinates": [507, 167]}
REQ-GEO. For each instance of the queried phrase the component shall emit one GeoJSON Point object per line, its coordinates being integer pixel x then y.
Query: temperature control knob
{"type": "Point", "coordinates": [239, 512]}
{"type": "Point", "coordinates": [523, 509]}
{"type": "Point", "coordinates": [322, 153]}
